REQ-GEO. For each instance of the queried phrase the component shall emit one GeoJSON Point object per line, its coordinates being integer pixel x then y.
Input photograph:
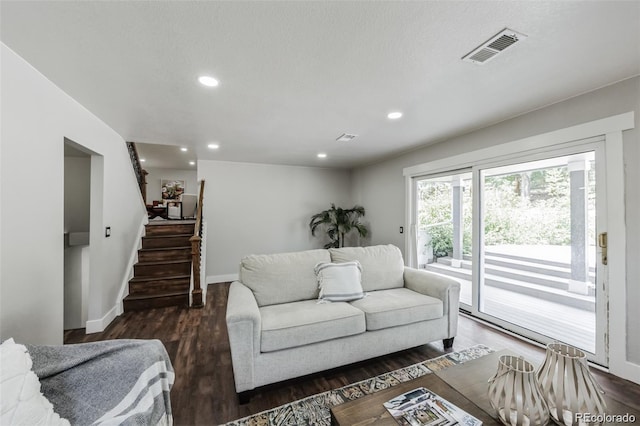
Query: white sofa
{"type": "Point", "coordinates": [278, 330]}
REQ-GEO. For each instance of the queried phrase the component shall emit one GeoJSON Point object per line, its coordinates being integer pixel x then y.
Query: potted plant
{"type": "Point", "coordinates": [339, 222]}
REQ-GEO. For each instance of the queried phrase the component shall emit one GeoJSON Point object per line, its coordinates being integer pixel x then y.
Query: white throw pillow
{"type": "Point", "coordinates": [21, 402]}
{"type": "Point", "coordinates": [339, 282]}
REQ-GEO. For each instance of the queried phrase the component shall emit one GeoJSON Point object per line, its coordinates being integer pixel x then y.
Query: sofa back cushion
{"type": "Point", "coordinates": [382, 266]}
{"type": "Point", "coordinates": [282, 277]}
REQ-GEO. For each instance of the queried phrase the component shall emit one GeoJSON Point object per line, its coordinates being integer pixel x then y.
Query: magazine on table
{"type": "Point", "coordinates": [421, 407]}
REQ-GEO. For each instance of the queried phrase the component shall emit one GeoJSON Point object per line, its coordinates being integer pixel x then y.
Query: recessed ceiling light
{"type": "Point", "coordinates": [142, 160]}
{"type": "Point", "coordinates": [322, 155]}
{"type": "Point", "coordinates": [394, 115]}
{"type": "Point", "coordinates": [208, 81]}
{"type": "Point", "coordinates": [183, 149]}
{"type": "Point", "coordinates": [192, 163]}
{"type": "Point", "coordinates": [213, 146]}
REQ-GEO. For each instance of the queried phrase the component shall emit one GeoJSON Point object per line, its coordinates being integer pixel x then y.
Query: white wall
{"type": "Point", "coordinates": [154, 189]}
{"type": "Point", "coordinates": [76, 286]}
{"type": "Point", "coordinates": [632, 214]}
{"type": "Point", "coordinates": [77, 186]}
{"type": "Point", "coordinates": [257, 208]}
{"type": "Point", "coordinates": [36, 116]}
{"type": "Point", "coordinates": [77, 191]}
{"type": "Point", "coordinates": [380, 186]}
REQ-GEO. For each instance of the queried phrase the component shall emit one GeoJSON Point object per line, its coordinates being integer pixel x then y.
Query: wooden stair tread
{"type": "Point", "coordinates": [173, 230]}
{"type": "Point", "coordinates": [164, 262]}
{"type": "Point", "coordinates": [165, 248]}
{"type": "Point", "coordinates": [162, 278]}
{"type": "Point", "coordinates": [172, 222]}
{"type": "Point", "coordinates": [156, 295]}
{"type": "Point", "coordinates": [168, 235]}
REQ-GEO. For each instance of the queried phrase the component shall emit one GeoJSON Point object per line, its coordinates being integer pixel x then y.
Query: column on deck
{"type": "Point", "coordinates": [458, 226]}
{"type": "Point", "coordinates": [578, 181]}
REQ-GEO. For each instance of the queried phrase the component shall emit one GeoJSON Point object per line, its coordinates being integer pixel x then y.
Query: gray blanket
{"type": "Point", "coordinates": [111, 382]}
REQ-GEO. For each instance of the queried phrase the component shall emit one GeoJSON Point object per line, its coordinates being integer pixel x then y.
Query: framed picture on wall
{"type": "Point", "coordinates": [171, 189]}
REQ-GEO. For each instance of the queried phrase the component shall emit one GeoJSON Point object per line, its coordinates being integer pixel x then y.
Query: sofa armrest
{"type": "Point", "coordinates": [244, 326]}
{"type": "Point", "coordinates": [440, 287]}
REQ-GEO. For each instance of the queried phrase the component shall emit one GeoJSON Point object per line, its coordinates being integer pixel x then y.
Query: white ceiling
{"type": "Point", "coordinates": [296, 75]}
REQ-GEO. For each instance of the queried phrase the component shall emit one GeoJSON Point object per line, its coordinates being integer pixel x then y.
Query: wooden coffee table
{"type": "Point", "coordinates": [464, 385]}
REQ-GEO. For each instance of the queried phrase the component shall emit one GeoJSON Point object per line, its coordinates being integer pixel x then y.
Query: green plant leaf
{"type": "Point", "coordinates": [338, 222]}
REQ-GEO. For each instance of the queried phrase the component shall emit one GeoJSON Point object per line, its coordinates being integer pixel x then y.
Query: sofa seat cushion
{"type": "Point", "coordinates": [300, 323]}
{"type": "Point", "coordinates": [398, 306]}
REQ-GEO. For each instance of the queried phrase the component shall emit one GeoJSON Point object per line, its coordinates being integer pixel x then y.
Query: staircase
{"type": "Point", "coordinates": [544, 279]}
{"type": "Point", "coordinates": [162, 275]}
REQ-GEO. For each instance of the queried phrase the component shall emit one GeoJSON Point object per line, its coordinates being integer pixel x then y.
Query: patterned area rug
{"type": "Point", "coordinates": [314, 410]}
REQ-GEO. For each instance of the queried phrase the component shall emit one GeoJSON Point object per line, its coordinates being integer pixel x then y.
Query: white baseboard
{"type": "Point", "coordinates": [212, 279]}
{"type": "Point", "coordinates": [96, 326]}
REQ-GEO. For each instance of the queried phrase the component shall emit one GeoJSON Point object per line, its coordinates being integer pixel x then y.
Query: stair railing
{"type": "Point", "coordinates": [196, 252]}
{"type": "Point", "coordinates": [141, 174]}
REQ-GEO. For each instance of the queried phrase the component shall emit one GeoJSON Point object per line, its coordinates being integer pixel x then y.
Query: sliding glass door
{"type": "Point", "coordinates": [520, 235]}
{"type": "Point", "coordinates": [538, 267]}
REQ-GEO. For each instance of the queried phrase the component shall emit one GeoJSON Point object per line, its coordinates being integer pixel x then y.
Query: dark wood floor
{"type": "Point", "coordinates": [204, 394]}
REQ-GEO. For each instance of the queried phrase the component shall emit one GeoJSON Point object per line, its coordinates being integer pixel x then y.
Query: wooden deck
{"type": "Point", "coordinates": [567, 324]}
{"type": "Point", "coordinates": [527, 285]}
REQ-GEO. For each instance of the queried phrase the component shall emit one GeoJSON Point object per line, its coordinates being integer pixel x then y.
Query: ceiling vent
{"type": "Point", "coordinates": [346, 137]}
{"type": "Point", "coordinates": [493, 46]}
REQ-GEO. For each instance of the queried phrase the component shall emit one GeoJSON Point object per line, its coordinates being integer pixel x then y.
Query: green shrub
{"type": "Point", "coordinates": [519, 209]}
{"type": "Point", "coordinates": [441, 240]}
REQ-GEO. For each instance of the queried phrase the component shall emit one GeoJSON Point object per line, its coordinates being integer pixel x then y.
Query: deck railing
{"type": "Point", "coordinates": [196, 253]}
